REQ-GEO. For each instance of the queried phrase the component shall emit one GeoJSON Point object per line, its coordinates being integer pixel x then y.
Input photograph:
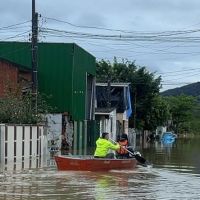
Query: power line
{"type": "Point", "coordinates": [126, 38]}
{"type": "Point", "coordinates": [187, 76]}
{"type": "Point", "coordinates": [88, 27]}
{"type": "Point", "coordinates": [169, 72]}
{"type": "Point", "coordinates": [14, 25]}
{"type": "Point", "coordinates": [15, 36]}
{"type": "Point", "coordinates": [64, 33]}
{"type": "Point", "coordinates": [162, 33]}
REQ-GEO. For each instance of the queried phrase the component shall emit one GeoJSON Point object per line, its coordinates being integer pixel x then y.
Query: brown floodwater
{"type": "Point", "coordinates": [174, 174]}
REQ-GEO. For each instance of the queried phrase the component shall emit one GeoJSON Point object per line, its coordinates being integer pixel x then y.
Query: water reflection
{"type": "Point", "coordinates": [50, 184]}
{"type": "Point", "coordinates": [142, 183]}
{"type": "Point", "coordinates": [182, 154]}
{"type": "Point", "coordinates": [175, 175]}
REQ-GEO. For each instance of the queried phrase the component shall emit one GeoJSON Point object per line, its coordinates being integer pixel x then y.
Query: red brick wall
{"type": "Point", "coordinates": [8, 77]}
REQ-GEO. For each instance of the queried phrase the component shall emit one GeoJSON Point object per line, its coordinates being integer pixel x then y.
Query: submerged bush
{"type": "Point", "coordinates": [20, 108]}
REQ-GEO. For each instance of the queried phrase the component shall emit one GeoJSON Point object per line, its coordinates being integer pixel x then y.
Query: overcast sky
{"type": "Point", "coordinates": [161, 35]}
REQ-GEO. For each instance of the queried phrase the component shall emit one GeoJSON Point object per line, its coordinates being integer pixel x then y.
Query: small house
{"type": "Point", "coordinates": [110, 98]}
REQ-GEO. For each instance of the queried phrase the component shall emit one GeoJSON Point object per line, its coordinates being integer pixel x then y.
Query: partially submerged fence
{"type": "Point", "coordinates": [22, 146]}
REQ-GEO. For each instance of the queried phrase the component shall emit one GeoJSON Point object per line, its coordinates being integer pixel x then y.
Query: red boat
{"type": "Point", "coordinates": [93, 164]}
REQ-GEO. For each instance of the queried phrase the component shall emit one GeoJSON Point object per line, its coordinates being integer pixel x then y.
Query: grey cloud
{"type": "Point", "coordinates": [18, 10]}
{"type": "Point", "coordinates": [91, 19]}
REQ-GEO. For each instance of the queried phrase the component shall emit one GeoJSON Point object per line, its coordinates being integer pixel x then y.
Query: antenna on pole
{"type": "Point", "coordinates": [34, 49]}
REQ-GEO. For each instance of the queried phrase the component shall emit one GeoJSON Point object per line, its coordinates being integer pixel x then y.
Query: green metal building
{"type": "Point", "coordinates": [66, 72]}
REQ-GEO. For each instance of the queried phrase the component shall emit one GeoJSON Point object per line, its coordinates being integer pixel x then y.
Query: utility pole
{"type": "Point", "coordinates": [108, 92]}
{"type": "Point", "coordinates": [135, 107]}
{"type": "Point", "coordinates": [34, 49]}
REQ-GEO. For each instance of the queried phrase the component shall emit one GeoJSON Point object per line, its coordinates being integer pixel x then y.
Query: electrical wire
{"type": "Point", "coordinates": [127, 40]}
{"type": "Point", "coordinates": [15, 36]}
{"type": "Point", "coordinates": [14, 25]}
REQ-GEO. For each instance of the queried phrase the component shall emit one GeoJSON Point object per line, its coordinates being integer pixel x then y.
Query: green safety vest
{"type": "Point", "coordinates": [103, 146]}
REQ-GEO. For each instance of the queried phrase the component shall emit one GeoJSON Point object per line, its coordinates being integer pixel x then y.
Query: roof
{"type": "Point", "coordinates": [20, 67]}
{"type": "Point", "coordinates": [104, 111]}
{"type": "Point", "coordinates": [113, 84]}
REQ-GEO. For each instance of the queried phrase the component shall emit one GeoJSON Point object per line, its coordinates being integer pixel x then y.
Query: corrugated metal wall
{"type": "Point", "coordinates": [83, 62]}
{"type": "Point", "coordinates": [55, 74]}
{"type": "Point", "coordinates": [85, 137]}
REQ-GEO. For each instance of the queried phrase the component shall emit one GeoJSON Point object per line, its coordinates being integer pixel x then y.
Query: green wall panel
{"type": "Point", "coordinates": [55, 74]}
{"type": "Point", "coordinates": [16, 52]}
{"type": "Point", "coordinates": [83, 63]}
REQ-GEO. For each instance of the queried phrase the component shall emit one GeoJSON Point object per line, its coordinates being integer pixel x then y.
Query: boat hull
{"type": "Point", "coordinates": [92, 164]}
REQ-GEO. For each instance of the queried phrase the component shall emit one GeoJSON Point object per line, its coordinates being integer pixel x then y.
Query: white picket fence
{"type": "Point", "coordinates": [22, 146]}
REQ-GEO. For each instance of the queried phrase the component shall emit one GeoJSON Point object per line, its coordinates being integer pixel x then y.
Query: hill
{"type": "Point", "coordinates": [191, 90]}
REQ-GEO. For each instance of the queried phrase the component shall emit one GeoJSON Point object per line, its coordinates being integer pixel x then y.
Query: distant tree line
{"type": "Point", "coordinates": [150, 109]}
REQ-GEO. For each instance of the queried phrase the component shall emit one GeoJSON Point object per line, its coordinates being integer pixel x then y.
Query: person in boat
{"type": "Point", "coordinates": [53, 148]}
{"type": "Point", "coordinates": [103, 145]}
{"type": "Point", "coordinates": [151, 137]}
{"type": "Point", "coordinates": [122, 153]}
{"type": "Point", "coordinates": [64, 146]}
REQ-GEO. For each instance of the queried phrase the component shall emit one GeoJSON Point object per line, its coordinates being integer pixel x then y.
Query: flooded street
{"type": "Point", "coordinates": [175, 174]}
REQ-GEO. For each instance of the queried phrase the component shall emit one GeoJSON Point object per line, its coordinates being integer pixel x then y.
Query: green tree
{"type": "Point", "coordinates": [181, 110]}
{"type": "Point", "coordinates": [159, 113]}
{"type": "Point", "coordinates": [195, 121]}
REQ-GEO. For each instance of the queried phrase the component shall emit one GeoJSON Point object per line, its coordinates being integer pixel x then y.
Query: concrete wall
{"type": "Point", "coordinates": [54, 128]}
{"type": "Point", "coordinates": [109, 124]}
{"type": "Point", "coordinates": [122, 118]}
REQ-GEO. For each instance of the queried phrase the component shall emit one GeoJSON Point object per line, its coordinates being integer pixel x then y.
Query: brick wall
{"type": "Point", "coordinates": [8, 77]}
{"type": "Point", "coordinates": [11, 77]}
